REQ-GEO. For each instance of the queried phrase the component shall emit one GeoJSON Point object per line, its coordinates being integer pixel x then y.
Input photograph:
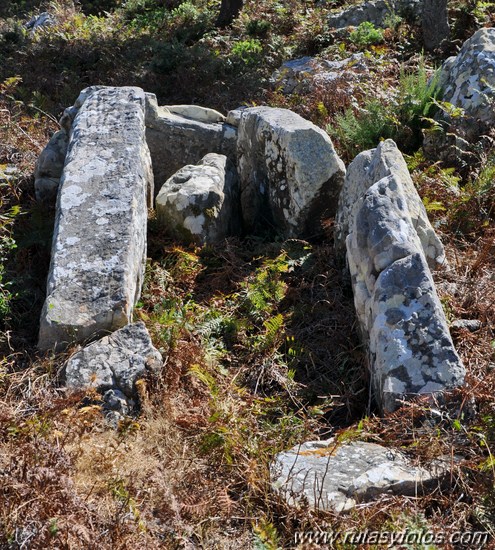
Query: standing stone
{"type": "Point", "coordinates": [99, 242]}
{"type": "Point", "coordinates": [435, 23]}
{"type": "Point", "coordinates": [200, 203]}
{"type": "Point", "coordinates": [399, 313]}
{"type": "Point", "coordinates": [289, 171]}
{"type": "Point", "coordinates": [365, 170]}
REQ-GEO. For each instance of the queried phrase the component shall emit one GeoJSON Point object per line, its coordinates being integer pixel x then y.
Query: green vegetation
{"type": "Point", "coordinates": [259, 337]}
{"type": "Point", "coordinates": [366, 34]}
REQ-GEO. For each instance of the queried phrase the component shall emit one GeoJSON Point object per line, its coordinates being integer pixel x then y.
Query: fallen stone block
{"type": "Point", "coordinates": [183, 134]}
{"type": "Point", "coordinates": [200, 203]}
{"type": "Point", "coordinates": [335, 477]}
{"type": "Point", "coordinates": [113, 365]}
{"type": "Point", "coordinates": [289, 171]}
{"type": "Point", "coordinates": [99, 242]}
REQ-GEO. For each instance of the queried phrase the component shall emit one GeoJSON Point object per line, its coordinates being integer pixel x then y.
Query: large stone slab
{"type": "Point", "coordinates": [400, 315]}
{"type": "Point", "coordinates": [333, 477]}
{"type": "Point", "coordinates": [365, 170]}
{"type": "Point", "coordinates": [178, 135]}
{"type": "Point", "coordinates": [99, 242]}
{"type": "Point", "coordinates": [289, 171]}
{"type": "Point", "coordinates": [200, 203]}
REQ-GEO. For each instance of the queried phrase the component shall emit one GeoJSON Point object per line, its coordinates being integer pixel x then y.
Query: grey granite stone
{"type": "Point", "coordinates": [99, 242]}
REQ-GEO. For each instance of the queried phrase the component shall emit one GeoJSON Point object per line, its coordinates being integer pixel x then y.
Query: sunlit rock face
{"type": "Point", "coordinates": [99, 243]}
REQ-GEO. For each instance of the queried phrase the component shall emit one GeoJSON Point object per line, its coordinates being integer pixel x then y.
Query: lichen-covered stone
{"type": "Point", "coordinates": [365, 170]}
{"type": "Point", "coordinates": [115, 362]}
{"type": "Point", "coordinates": [304, 74]}
{"type": "Point", "coordinates": [49, 167]}
{"type": "Point", "coordinates": [183, 134]}
{"type": "Point", "coordinates": [468, 82]}
{"type": "Point", "coordinates": [289, 171]}
{"type": "Point", "coordinates": [377, 12]}
{"type": "Point", "coordinates": [399, 313]}
{"type": "Point", "coordinates": [201, 203]}
{"type": "Point", "coordinates": [333, 477]}
{"type": "Point", "coordinates": [99, 242]}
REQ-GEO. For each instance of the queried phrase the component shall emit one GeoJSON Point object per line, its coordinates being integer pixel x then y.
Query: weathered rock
{"type": "Point", "coordinates": [99, 242]}
{"type": "Point", "coordinates": [365, 170]}
{"type": "Point", "coordinates": [115, 362]}
{"type": "Point", "coordinates": [40, 21]}
{"type": "Point", "coordinates": [468, 82]}
{"type": "Point", "coordinates": [303, 75]}
{"type": "Point", "coordinates": [49, 167]}
{"type": "Point", "coordinates": [377, 12]}
{"type": "Point", "coordinates": [289, 171]}
{"type": "Point", "coordinates": [201, 203]}
{"type": "Point", "coordinates": [181, 135]}
{"type": "Point", "coordinates": [467, 324]}
{"type": "Point", "coordinates": [399, 313]}
{"type": "Point", "coordinates": [329, 476]}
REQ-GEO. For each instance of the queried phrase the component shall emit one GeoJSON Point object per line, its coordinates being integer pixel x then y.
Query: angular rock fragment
{"type": "Point", "coordinates": [336, 477]}
{"type": "Point", "coordinates": [201, 203]}
{"type": "Point", "coordinates": [115, 362]}
{"type": "Point", "coordinates": [113, 365]}
{"type": "Point", "coordinates": [388, 238]}
{"type": "Point", "coordinates": [183, 134]}
{"type": "Point", "coordinates": [99, 242]}
{"type": "Point", "coordinates": [289, 171]}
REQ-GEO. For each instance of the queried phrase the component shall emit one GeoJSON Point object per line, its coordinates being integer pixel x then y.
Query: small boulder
{"type": "Point", "coordinates": [302, 75]}
{"type": "Point", "coordinates": [114, 364]}
{"type": "Point", "coordinates": [333, 477]}
{"type": "Point", "coordinates": [289, 171]}
{"type": "Point", "coordinates": [200, 203]}
{"type": "Point", "coordinates": [49, 167]}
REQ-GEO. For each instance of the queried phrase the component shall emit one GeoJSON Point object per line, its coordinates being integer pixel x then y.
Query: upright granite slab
{"type": "Point", "coordinates": [99, 242]}
{"type": "Point", "coordinates": [289, 172]}
{"type": "Point", "coordinates": [389, 242]}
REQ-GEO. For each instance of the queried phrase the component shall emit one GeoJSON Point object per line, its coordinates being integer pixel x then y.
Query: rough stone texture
{"type": "Point", "coordinates": [376, 12]}
{"type": "Point", "coordinates": [303, 75]}
{"type": "Point", "coordinates": [201, 203]}
{"type": "Point", "coordinates": [99, 242]}
{"type": "Point", "coordinates": [49, 167]}
{"type": "Point", "coordinates": [115, 362]}
{"type": "Point", "coordinates": [365, 170]}
{"type": "Point", "coordinates": [289, 171]}
{"type": "Point", "coordinates": [468, 81]}
{"type": "Point", "coordinates": [399, 313]}
{"type": "Point", "coordinates": [180, 135]}
{"type": "Point", "coordinates": [337, 477]}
